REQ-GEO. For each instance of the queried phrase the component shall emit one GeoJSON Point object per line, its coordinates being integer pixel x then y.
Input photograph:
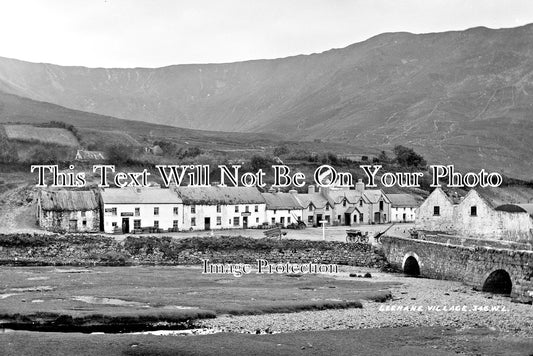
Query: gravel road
{"type": "Point", "coordinates": [416, 302]}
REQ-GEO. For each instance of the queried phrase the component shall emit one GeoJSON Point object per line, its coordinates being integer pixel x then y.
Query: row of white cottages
{"type": "Point", "coordinates": [203, 208]}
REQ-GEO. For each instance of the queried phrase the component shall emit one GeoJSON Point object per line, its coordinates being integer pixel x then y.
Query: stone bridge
{"type": "Point", "coordinates": [490, 269]}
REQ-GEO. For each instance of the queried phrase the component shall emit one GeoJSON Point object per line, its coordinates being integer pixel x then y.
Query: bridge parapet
{"type": "Point", "coordinates": [482, 267]}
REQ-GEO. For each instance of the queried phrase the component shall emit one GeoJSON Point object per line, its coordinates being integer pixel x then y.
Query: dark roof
{"type": "Point", "coordinates": [352, 209]}
{"type": "Point", "coordinates": [351, 196]}
{"type": "Point", "coordinates": [281, 201]}
{"type": "Point", "coordinates": [516, 208]}
{"type": "Point", "coordinates": [219, 195]}
{"type": "Point", "coordinates": [66, 200]}
{"type": "Point", "coordinates": [130, 195]}
{"type": "Point", "coordinates": [316, 199]}
{"type": "Point", "coordinates": [403, 200]}
{"type": "Point", "coordinates": [374, 195]}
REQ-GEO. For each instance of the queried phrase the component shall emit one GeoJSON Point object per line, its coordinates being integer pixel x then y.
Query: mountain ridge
{"type": "Point", "coordinates": [457, 96]}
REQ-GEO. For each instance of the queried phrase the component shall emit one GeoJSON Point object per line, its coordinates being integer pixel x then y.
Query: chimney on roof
{"type": "Point", "coordinates": [311, 189]}
{"type": "Point", "coordinates": [272, 190]}
{"type": "Point", "coordinates": [293, 191]}
{"type": "Point", "coordinates": [360, 186]}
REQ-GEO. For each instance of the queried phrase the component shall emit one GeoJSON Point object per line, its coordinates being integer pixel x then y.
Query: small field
{"type": "Point", "coordinates": [29, 133]}
{"type": "Point", "coordinates": [101, 139]}
{"type": "Point", "coordinates": [137, 297]}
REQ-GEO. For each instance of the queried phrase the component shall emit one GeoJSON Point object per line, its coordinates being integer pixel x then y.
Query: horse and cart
{"type": "Point", "coordinates": [357, 236]}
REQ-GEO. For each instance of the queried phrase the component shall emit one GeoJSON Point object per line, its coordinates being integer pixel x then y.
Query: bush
{"type": "Point", "coordinates": [112, 258]}
{"type": "Point", "coordinates": [407, 157]}
{"type": "Point", "coordinates": [259, 162]}
{"type": "Point", "coordinates": [281, 150]}
{"type": "Point", "coordinates": [118, 154]}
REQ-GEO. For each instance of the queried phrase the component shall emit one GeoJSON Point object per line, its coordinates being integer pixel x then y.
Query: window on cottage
{"type": "Point", "coordinates": [355, 218]}
{"type": "Point", "coordinates": [193, 209]}
{"type": "Point", "coordinates": [327, 207]}
{"type": "Point", "coordinates": [175, 224]}
{"type": "Point", "coordinates": [114, 224]}
{"type": "Point", "coordinates": [310, 219]}
{"type": "Point", "coordinates": [256, 209]}
{"type": "Point", "coordinates": [236, 221]}
{"type": "Point", "coordinates": [156, 211]}
{"type": "Point", "coordinates": [84, 223]}
{"type": "Point", "coordinates": [114, 211]}
{"type": "Point", "coordinates": [361, 217]}
{"type": "Point", "coordinates": [247, 209]}
{"type": "Point", "coordinates": [156, 224]}
{"type": "Point", "coordinates": [381, 205]}
{"type": "Point", "coordinates": [473, 210]}
{"type": "Point", "coordinates": [361, 202]}
{"type": "Point", "coordinates": [310, 208]}
{"type": "Point", "coordinates": [288, 220]}
{"type": "Point", "coordinates": [273, 221]}
{"type": "Point", "coordinates": [344, 202]}
{"type": "Point", "coordinates": [327, 218]}
{"type": "Point", "coordinates": [136, 224]}
{"type": "Point", "coordinates": [236, 208]}
{"type": "Point", "coordinates": [257, 220]}
{"type": "Point", "coordinates": [219, 208]}
{"type": "Point", "coordinates": [219, 220]}
{"type": "Point", "coordinates": [137, 211]}
{"type": "Point", "coordinates": [176, 210]}
{"type": "Point", "coordinates": [83, 214]}
{"type": "Point", "coordinates": [436, 210]}
{"type": "Point", "coordinates": [193, 221]}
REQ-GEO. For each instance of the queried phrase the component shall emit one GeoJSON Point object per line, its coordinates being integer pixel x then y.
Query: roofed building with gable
{"type": "Point", "coordinates": [68, 211]}
{"type": "Point", "coordinates": [476, 216]}
{"type": "Point", "coordinates": [214, 207]}
{"type": "Point", "coordinates": [283, 208]}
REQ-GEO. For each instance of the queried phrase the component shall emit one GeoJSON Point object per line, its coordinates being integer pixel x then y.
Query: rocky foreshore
{"type": "Point", "coordinates": [416, 302]}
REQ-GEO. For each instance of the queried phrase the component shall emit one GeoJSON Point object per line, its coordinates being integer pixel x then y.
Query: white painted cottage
{"type": "Point", "coordinates": [282, 208]}
{"type": "Point", "coordinates": [149, 209]}
{"type": "Point", "coordinates": [403, 207]}
{"type": "Point", "coordinates": [206, 208]}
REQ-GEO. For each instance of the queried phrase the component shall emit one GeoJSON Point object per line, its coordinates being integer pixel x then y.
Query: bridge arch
{"type": "Point", "coordinates": [411, 264]}
{"type": "Point", "coordinates": [498, 282]}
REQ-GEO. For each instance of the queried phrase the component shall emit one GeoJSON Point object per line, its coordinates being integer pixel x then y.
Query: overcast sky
{"type": "Point", "coordinates": [154, 33]}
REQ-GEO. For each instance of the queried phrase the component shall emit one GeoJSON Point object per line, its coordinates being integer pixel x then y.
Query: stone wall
{"type": "Point", "coordinates": [469, 264]}
{"type": "Point", "coordinates": [87, 250]}
{"type": "Point", "coordinates": [59, 221]}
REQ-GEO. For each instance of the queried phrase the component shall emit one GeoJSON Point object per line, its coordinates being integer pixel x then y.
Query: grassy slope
{"type": "Point", "coordinates": [96, 129]}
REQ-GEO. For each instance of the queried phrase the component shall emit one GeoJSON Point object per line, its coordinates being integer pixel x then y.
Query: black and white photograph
{"type": "Point", "coordinates": [268, 177]}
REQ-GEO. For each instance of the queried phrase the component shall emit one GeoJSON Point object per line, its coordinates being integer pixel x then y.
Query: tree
{"type": "Point", "coordinates": [407, 157]}
{"type": "Point", "coordinates": [383, 158]}
{"type": "Point", "coordinates": [259, 162]}
{"type": "Point", "coordinates": [118, 154]}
